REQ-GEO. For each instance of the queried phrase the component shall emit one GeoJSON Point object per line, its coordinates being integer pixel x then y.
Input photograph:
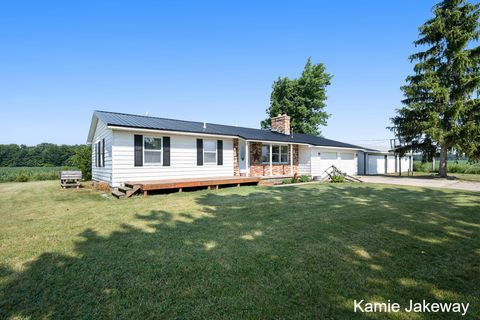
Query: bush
{"type": "Point", "coordinates": [82, 159]}
{"type": "Point", "coordinates": [338, 179]}
{"type": "Point", "coordinates": [288, 181]}
{"type": "Point", "coordinates": [22, 176]}
{"type": "Point", "coordinates": [304, 179]}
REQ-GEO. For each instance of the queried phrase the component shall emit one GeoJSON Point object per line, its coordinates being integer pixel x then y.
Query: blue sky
{"type": "Point", "coordinates": [209, 61]}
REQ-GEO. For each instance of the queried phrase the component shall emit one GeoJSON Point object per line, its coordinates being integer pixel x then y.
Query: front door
{"type": "Point", "coordinates": [242, 165]}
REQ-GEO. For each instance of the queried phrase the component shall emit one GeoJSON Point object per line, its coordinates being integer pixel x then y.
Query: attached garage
{"type": "Point", "coordinates": [391, 163]}
{"type": "Point", "coordinates": [322, 159]}
{"type": "Point", "coordinates": [378, 162]}
{"type": "Point", "coordinates": [348, 163]}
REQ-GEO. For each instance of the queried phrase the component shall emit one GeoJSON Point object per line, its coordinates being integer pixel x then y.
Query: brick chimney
{"type": "Point", "coordinates": [281, 124]}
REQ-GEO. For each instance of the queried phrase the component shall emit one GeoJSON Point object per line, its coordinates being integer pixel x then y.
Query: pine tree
{"type": "Point", "coordinates": [441, 109]}
{"type": "Point", "coordinates": [303, 99]}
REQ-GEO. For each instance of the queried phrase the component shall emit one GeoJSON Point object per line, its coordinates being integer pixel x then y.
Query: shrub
{"type": "Point", "coordinates": [22, 177]}
{"type": "Point", "coordinates": [304, 179]}
{"type": "Point", "coordinates": [82, 159]}
{"type": "Point", "coordinates": [338, 179]}
{"type": "Point", "coordinates": [288, 181]}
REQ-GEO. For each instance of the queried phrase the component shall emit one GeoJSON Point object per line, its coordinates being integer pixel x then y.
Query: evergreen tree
{"type": "Point", "coordinates": [303, 99]}
{"type": "Point", "coordinates": [441, 109]}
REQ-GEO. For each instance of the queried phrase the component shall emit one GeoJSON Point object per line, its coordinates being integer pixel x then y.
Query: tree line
{"type": "Point", "coordinates": [41, 155]}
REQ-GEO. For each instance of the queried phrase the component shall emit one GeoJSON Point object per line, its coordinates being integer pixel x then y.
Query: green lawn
{"type": "Point", "coordinates": [274, 253]}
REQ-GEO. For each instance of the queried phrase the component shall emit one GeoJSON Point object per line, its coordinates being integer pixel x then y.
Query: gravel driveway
{"type": "Point", "coordinates": [423, 182]}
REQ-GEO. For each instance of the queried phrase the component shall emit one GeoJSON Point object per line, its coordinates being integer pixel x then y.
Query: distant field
{"type": "Point", "coordinates": [24, 174]}
{"type": "Point", "coordinates": [460, 166]}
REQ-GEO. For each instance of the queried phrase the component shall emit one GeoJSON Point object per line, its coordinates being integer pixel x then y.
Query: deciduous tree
{"type": "Point", "coordinates": [303, 99]}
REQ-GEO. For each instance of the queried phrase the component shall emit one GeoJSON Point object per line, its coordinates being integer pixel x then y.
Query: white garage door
{"type": "Point", "coordinates": [327, 159]}
{"type": "Point", "coordinates": [391, 164]}
{"type": "Point", "coordinates": [405, 164]}
{"type": "Point", "coordinates": [376, 164]}
{"type": "Point", "coordinates": [348, 163]}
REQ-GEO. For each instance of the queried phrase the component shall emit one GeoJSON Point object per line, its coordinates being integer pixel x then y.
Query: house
{"type": "Point", "coordinates": [129, 147]}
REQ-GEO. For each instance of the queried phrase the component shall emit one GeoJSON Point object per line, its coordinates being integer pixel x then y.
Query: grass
{"type": "Point", "coordinates": [459, 176]}
{"type": "Point", "coordinates": [24, 174]}
{"type": "Point", "coordinates": [296, 252]}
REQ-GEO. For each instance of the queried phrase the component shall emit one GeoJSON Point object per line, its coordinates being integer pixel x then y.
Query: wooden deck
{"type": "Point", "coordinates": [210, 182]}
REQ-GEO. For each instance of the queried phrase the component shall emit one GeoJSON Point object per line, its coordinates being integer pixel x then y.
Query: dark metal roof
{"type": "Point", "coordinates": [147, 122]}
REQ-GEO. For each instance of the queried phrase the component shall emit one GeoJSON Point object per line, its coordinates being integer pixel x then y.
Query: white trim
{"type": "Point", "coordinates": [343, 148]}
{"type": "Point", "coordinates": [216, 151]}
{"type": "Point", "coordinates": [271, 159]}
{"type": "Point", "coordinates": [247, 159]}
{"type": "Point", "coordinates": [167, 132]}
{"type": "Point", "coordinates": [291, 158]}
{"type": "Point", "coordinates": [278, 142]}
{"type": "Point", "coordinates": [153, 150]}
{"type": "Point", "coordinates": [271, 145]}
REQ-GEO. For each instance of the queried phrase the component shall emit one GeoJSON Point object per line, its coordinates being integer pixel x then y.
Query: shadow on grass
{"type": "Point", "coordinates": [290, 252]}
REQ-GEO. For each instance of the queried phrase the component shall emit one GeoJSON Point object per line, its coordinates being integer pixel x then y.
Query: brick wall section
{"type": "Point", "coordinates": [235, 158]}
{"type": "Point", "coordinates": [281, 123]}
{"type": "Point", "coordinates": [259, 169]}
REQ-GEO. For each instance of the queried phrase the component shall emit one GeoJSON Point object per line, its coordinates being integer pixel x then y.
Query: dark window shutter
{"type": "Point", "coordinates": [199, 152]}
{"type": "Point", "coordinates": [103, 152]}
{"type": "Point", "coordinates": [166, 151]}
{"type": "Point", "coordinates": [220, 152]}
{"type": "Point", "coordinates": [98, 154]}
{"type": "Point", "coordinates": [138, 150]}
{"type": "Point", "coordinates": [94, 152]}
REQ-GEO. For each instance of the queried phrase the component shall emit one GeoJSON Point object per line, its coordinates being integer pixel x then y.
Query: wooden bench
{"type": "Point", "coordinates": [70, 179]}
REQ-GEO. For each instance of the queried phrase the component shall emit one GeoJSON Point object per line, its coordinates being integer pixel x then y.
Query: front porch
{"type": "Point", "coordinates": [180, 184]}
{"type": "Point", "coordinates": [266, 159]}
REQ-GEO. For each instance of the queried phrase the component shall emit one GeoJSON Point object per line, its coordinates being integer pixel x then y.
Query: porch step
{"type": "Point", "coordinates": [124, 189]}
{"type": "Point", "coordinates": [118, 194]}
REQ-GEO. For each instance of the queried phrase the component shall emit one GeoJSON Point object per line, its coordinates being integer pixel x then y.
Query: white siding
{"type": "Point", "coordinates": [405, 164]}
{"type": "Point", "coordinates": [391, 164]}
{"type": "Point", "coordinates": [375, 164]}
{"type": "Point", "coordinates": [183, 160]}
{"type": "Point", "coordinates": [103, 174]}
{"type": "Point", "coordinates": [323, 158]}
{"type": "Point", "coordinates": [304, 160]}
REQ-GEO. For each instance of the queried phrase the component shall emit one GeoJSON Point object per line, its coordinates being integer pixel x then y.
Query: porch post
{"type": "Point", "coordinates": [291, 158]}
{"type": "Point", "coordinates": [270, 159]}
{"type": "Point", "coordinates": [247, 158]}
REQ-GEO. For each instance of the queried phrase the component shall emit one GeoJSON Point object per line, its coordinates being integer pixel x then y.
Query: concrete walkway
{"type": "Point", "coordinates": [428, 182]}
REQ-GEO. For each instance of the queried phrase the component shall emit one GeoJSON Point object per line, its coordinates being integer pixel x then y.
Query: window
{"type": "Point", "coordinates": [100, 153]}
{"type": "Point", "coordinates": [284, 154]}
{"type": "Point", "coordinates": [279, 154]}
{"type": "Point", "coordinates": [275, 154]}
{"type": "Point", "coordinates": [210, 151]}
{"type": "Point", "coordinates": [152, 153]}
{"type": "Point", "coordinates": [266, 153]}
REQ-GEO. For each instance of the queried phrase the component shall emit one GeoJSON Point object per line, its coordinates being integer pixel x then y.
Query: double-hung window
{"type": "Point", "coordinates": [284, 154]}
{"type": "Point", "coordinates": [265, 153]}
{"type": "Point", "coordinates": [152, 150]}
{"type": "Point", "coordinates": [210, 151]}
{"type": "Point", "coordinates": [280, 154]}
